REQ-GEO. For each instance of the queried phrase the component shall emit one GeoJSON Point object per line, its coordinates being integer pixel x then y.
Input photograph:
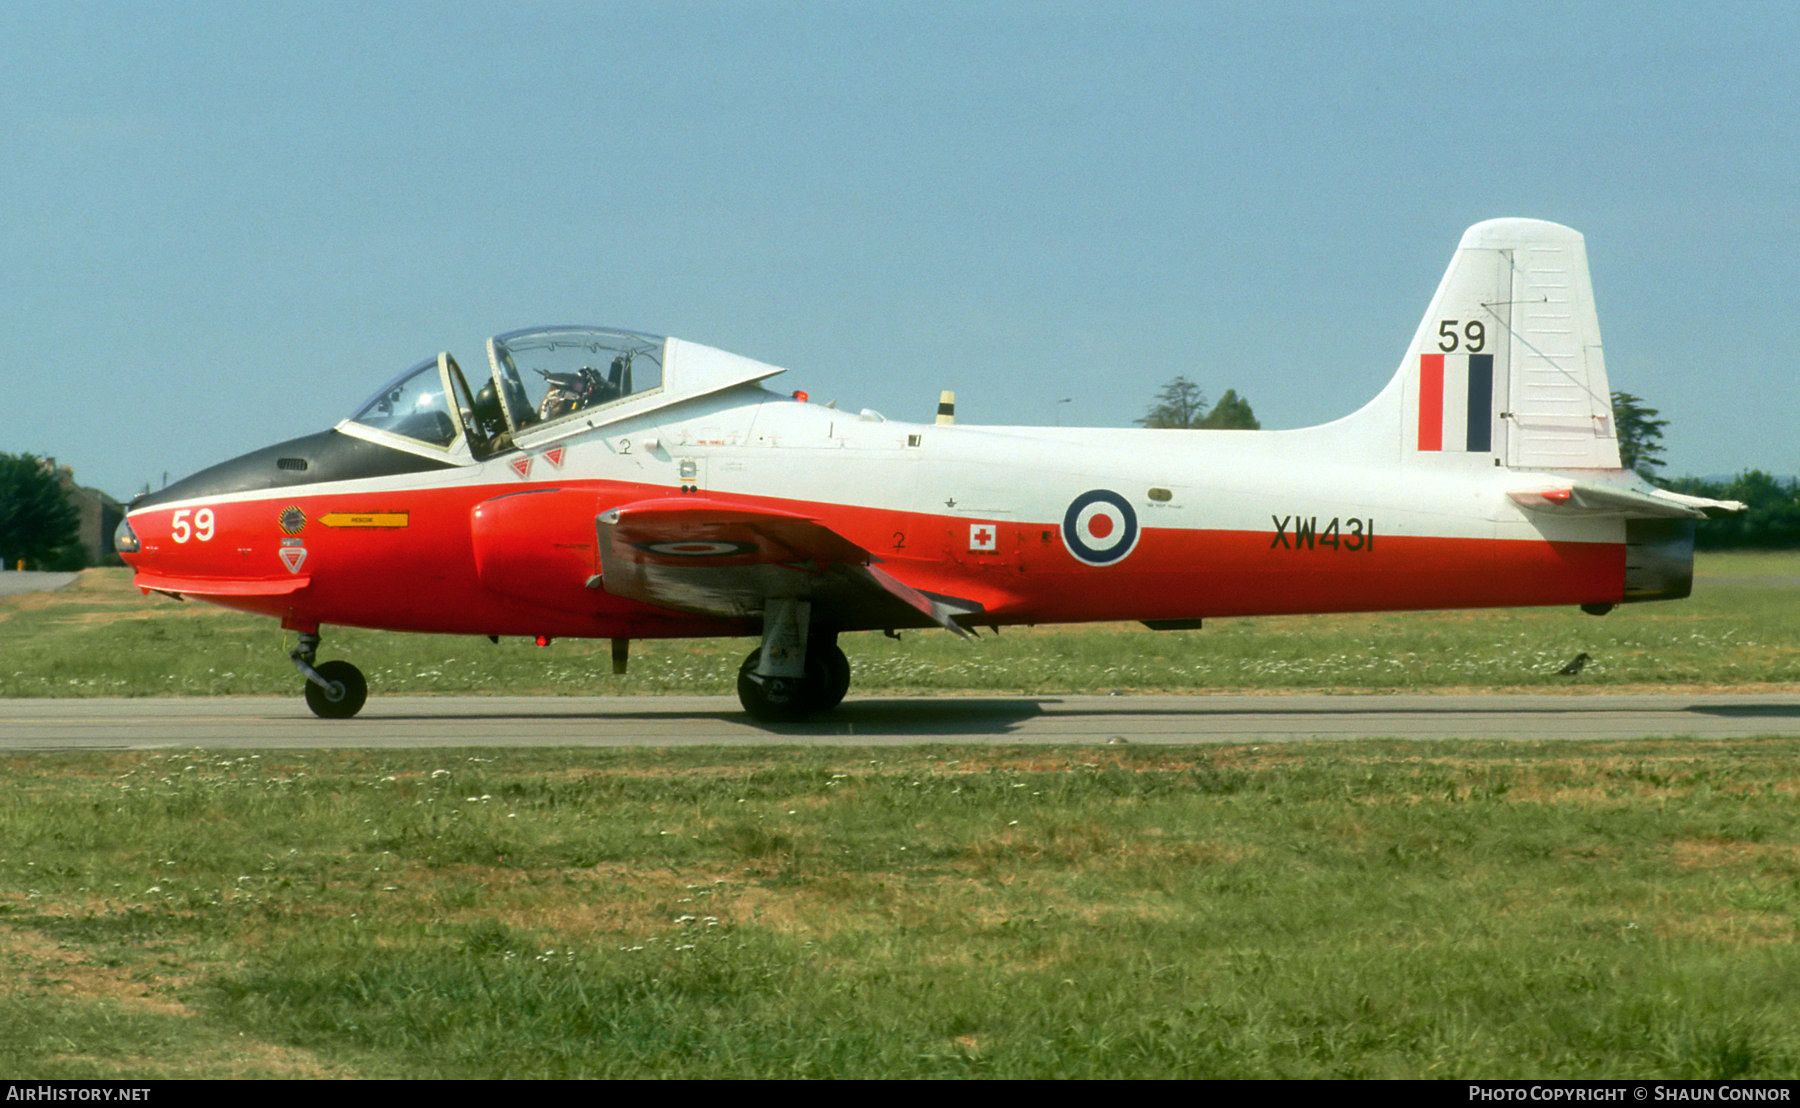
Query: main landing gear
{"type": "Point", "coordinates": [334, 690]}
{"type": "Point", "coordinates": [788, 677]}
{"type": "Point", "coordinates": [785, 699]}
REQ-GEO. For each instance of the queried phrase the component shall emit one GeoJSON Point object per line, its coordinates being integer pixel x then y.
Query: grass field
{"type": "Point", "coordinates": [1741, 628]}
{"type": "Point", "coordinates": [1351, 909]}
{"type": "Point", "coordinates": [1343, 910]}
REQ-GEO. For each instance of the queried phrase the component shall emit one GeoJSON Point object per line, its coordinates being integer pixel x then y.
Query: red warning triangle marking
{"type": "Point", "coordinates": [294, 556]}
{"type": "Point", "coordinates": [522, 465]}
{"type": "Point", "coordinates": [554, 456]}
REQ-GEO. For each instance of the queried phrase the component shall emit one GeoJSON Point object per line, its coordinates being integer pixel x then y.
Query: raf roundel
{"type": "Point", "coordinates": [1100, 527]}
{"type": "Point", "coordinates": [696, 548]}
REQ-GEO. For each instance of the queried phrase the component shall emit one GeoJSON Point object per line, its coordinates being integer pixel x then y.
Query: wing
{"type": "Point", "coordinates": [727, 560]}
{"type": "Point", "coordinates": [1584, 498]}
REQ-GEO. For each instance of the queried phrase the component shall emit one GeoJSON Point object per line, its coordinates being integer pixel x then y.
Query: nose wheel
{"type": "Point", "coordinates": [334, 690]}
{"type": "Point", "coordinates": [341, 695]}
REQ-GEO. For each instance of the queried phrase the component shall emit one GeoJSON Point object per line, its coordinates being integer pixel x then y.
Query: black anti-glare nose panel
{"type": "Point", "coordinates": [313, 460]}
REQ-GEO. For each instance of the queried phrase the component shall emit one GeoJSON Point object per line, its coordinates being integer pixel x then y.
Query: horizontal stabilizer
{"type": "Point", "coordinates": [1611, 500]}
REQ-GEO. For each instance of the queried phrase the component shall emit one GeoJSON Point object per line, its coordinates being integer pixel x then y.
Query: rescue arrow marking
{"type": "Point", "coordinates": [363, 519]}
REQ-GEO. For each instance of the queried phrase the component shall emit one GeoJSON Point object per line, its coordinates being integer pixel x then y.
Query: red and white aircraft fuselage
{"type": "Point", "coordinates": [610, 484]}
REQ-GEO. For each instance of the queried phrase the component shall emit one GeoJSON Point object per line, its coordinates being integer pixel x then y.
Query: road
{"type": "Point", "coordinates": [393, 722]}
{"type": "Point", "coordinates": [14, 582]}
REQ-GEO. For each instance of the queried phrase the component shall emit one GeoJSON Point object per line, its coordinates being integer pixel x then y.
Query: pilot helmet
{"type": "Point", "coordinates": [487, 410]}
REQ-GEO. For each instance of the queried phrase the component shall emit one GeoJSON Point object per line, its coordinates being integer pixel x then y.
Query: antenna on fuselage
{"type": "Point", "coordinates": [946, 407]}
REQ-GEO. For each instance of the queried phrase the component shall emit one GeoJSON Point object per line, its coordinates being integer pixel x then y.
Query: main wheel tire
{"type": "Point", "coordinates": [837, 677]}
{"type": "Point", "coordinates": [782, 699]}
{"type": "Point", "coordinates": [344, 698]}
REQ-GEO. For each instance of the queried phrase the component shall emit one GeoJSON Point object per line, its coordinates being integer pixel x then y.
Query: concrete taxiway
{"type": "Point", "coordinates": [393, 722]}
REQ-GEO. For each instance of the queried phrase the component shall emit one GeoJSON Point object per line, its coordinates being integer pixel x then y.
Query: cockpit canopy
{"type": "Point", "coordinates": [541, 377]}
{"type": "Point", "coordinates": [550, 373]}
{"type": "Point", "coordinates": [546, 383]}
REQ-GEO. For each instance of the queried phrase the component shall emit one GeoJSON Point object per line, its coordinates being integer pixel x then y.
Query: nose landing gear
{"type": "Point", "coordinates": [334, 690]}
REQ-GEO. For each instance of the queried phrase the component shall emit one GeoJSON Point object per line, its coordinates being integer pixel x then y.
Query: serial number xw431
{"type": "Point", "coordinates": [1354, 534]}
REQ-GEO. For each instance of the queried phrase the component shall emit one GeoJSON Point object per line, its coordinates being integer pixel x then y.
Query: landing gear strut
{"type": "Point", "coordinates": [334, 690]}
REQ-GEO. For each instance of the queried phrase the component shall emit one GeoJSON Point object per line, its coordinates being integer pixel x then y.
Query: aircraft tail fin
{"type": "Point", "coordinates": [1506, 368]}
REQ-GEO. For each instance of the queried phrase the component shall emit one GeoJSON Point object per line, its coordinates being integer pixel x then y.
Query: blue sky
{"type": "Point", "coordinates": [225, 224]}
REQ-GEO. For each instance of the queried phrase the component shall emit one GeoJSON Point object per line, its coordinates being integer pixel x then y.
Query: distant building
{"type": "Point", "coordinates": [100, 517]}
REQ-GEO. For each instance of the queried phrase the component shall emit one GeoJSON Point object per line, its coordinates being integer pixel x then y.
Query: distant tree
{"type": "Point", "coordinates": [1640, 434]}
{"type": "Point", "coordinates": [1231, 413]}
{"type": "Point", "coordinates": [1770, 521]}
{"type": "Point", "coordinates": [36, 519]}
{"type": "Point", "coordinates": [1180, 404]}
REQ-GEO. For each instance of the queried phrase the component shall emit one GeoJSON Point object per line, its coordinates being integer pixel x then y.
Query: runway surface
{"type": "Point", "coordinates": [274, 723]}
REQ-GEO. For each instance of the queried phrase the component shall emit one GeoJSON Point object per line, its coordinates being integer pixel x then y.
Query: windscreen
{"type": "Point", "coordinates": [412, 405]}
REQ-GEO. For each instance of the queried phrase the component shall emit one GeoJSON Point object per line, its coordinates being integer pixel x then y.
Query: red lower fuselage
{"type": "Point", "coordinates": [521, 560]}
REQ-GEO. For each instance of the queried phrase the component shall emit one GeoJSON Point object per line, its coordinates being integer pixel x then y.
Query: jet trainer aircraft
{"type": "Point", "coordinates": [609, 484]}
